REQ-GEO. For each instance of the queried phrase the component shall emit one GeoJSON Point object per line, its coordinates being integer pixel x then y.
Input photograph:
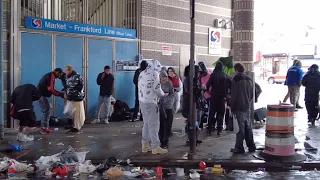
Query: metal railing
{"type": "Point", "coordinates": [117, 13]}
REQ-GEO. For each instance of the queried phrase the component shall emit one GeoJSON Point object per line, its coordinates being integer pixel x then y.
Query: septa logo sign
{"type": "Point", "coordinates": [215, 36]}
{"type": "Point", "coordinates": [36, 23]}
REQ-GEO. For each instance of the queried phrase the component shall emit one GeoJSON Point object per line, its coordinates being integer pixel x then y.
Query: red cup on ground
{"type": "Point", "coordinates": [202, 165]}
{"type": "Point", "coordinates": [159, 171]}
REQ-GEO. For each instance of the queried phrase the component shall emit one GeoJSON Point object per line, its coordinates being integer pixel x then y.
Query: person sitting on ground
{"type": "Point", "coordinates": [22, 109]}
{"type": "Point", "coordinates": [312, 83]}
{"type": "Point", "coordinates": [149, 93]}
{"type": "Point", "coordinates": [75, 95]}
{"type": "Point", "coordinates": [241, 100]}
{"type": "Point", "coordinates": [166, 110]}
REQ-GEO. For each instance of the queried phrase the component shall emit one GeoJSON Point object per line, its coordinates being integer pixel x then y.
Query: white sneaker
{"type": "Point", "coordinates": [106, 121]}
{"type": "Point", "coordinates": [95, 121]}
{"type": "Point", "coordinates": [24, 138]}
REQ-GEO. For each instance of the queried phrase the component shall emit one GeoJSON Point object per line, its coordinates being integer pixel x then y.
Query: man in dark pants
{"type": "Point", "coordinates": [22, 98]}
{"type": "Point", "coordinates": [312, 83]}
{"type": "Point", "coordinates": [220, 83]}
{"type": "Point", "coordinates": [135, 82]}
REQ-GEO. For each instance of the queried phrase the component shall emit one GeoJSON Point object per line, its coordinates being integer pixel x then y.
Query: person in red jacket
{"type": "Point", "coordinates": [177, 86]}
{"type": "Point", "coordinates": [46, 89]}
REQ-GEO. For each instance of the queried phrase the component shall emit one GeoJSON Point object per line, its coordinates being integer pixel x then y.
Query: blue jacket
{"type": "Point", "coordinates": [294, 76]}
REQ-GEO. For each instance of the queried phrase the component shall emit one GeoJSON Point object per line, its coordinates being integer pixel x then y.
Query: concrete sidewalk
{"type": "Point", "coordinates": [123, 141]}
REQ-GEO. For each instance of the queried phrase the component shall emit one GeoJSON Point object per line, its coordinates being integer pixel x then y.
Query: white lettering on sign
{"type": "Point", "coordinates": [109, 31]}
{"type": "Point", "coordinates": [87, 29]}
{"type": "Point", "coordinates": [55, 25]}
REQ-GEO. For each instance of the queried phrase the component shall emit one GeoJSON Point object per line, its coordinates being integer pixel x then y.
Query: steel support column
{"type": "Point", "coordinates": [1, 74]}
{"type": "Point", "coordinates": [192, 115]}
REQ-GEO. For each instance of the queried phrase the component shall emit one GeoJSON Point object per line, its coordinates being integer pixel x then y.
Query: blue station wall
{"type": "Point", "coordinates": [125, 89]}
{"type": "Point", "coordinates": [36, 60]}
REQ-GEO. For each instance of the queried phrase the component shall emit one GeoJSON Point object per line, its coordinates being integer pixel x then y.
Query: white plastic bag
{"type": "Point", "coordinates": [69, 110]}
{"type": "Point", "coordinates": [235, 124]}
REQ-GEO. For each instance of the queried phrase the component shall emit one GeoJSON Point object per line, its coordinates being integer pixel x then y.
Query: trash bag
{"type": "Point", "coordinates": [114, 173]}
{"type": "Point", "coordinates": [69, 156]}
{"type": "Point", "coordinates": [107, 164]}
{"type": "Point", "coordinates": [69, 110]}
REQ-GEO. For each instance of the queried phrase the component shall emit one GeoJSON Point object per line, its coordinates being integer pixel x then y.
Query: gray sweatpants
{"type": "Point", "coordinates": [294, 94]}
{"type": "Point", "coordinates": [151, 124]}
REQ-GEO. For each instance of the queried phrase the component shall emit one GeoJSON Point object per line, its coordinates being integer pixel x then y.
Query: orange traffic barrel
{"type": "Point", "coordinates": [279, 144]}
{"type": "Point", "coordinates": [280, 119]}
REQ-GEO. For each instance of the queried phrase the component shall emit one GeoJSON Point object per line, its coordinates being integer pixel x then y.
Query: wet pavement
{"type": "Point", "coordinates": [122, 140]}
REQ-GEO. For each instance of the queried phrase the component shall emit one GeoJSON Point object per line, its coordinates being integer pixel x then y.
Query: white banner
{"type": "Point", "coordinates": [215, 41]}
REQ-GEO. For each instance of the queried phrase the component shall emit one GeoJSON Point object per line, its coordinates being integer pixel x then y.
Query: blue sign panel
{"type": "Point", "coordinates": [78, 28]}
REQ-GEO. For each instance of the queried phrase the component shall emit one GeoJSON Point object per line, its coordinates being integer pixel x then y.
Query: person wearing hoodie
{"type": "Point", "coordinates": [186, 103]}
{"type": "Point", "coordinates": [293, 81]}
{"type": "Point", "coordinates": [241, 100]}
{"type": "Point", "coordinates": [46, 89]}
{"type": "Point", "coordinates": [166, 110]}
{"type": "Point", "coordinates": [177, 86]}
{"type": "Point", "coordinates": [149, 93]}
{"type": "Point", "coordinates": [220, 83]}
{"type": "Point", "coordinates": [135, 82]}
{"type": "Point", "coordinates": [312, 83]}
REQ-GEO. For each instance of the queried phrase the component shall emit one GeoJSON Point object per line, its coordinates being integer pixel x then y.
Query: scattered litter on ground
{"type": "Point", "coordinates": [90, 136]}
{"type": "Point", "coordinates": [194, 175]}
{"type": "Point", "coordinates": [15, 148]}
{"type": "Point", "coordinates": [49, 143]}
{"type": "Point", "coordinates": [56, 129]}
{"type": "Point", "coordinates": [70, 136]}
{"type": "Point", "coordinates": [307, 138]}
{"type": "Point", "coordinates": [180, 172]}
{"type": "Point", "coordinates": [39, 139]}
{"type": "Point", "coordinates": [114, 172]}
{"type": "Point", "coordinates": [239, 171]}
{"type": "Point", "coordinates": [114, 135]}
{"type": "Point", "coordinates": [134, 133]}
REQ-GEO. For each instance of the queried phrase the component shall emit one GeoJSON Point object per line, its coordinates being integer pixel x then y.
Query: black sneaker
{"type": "Point", "coordinates": [199, 141]}
{"type": "Point", "coordinates": [219, 133]}
{"type": "Point", "coordinates": [68, 127]}
{"type": "Point", "coordinates": [251, 150]}
{"type": "Point", "coordinates": [237, 151]}
{"type": "Point", "coordinates": [299, 107]}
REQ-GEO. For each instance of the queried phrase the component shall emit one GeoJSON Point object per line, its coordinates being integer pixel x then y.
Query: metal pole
{"type": "Point", "coordinates": [192, 116]}
{"type": "Point", "coordinates": [1, 73]}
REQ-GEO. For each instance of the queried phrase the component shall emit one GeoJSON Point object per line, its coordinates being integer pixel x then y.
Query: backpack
{"type": "Point", "coordinates": [257, 91]}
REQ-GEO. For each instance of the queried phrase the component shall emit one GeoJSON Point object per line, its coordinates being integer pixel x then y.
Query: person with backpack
{"type": "Point", "coordinates": [220, 83]}
{"type": "Point", "coordinates": [312, 83]}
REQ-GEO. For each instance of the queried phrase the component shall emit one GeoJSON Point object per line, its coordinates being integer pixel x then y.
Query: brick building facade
{"type": "Point", "coordinates": [167, 23]}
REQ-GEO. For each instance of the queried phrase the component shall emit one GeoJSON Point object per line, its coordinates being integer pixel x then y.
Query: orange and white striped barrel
{"type": "Point", "coordinates": [279, 144]}
{"type": "Point", "coordinates": [280, 119]}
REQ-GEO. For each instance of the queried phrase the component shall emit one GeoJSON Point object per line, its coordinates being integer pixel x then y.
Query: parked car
{"type": "Point", "coordinates": [276, 78]}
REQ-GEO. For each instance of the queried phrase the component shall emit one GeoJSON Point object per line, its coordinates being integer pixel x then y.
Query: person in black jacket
{"type": "Point", "coordinates": [135, 82]}
{"type": "Point", "coordinates": [74, 93]}
{"type": "Point", "coordinates": [106, 82]}
{"type": "Point", "coordinates": [46, 89]}
{"type": "Point", "coordinates": [22, 98]}
{"type": "Point", "coordinates": [312, 83]}
{"type": "Point", "coordinates": [220, 83]}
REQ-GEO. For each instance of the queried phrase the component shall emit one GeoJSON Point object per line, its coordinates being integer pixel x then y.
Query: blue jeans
{"type": "Point", "coordinates": [107, 102]}
{"type": "Point", "coordinates": [245, 130]}
{"type": "Point", "coordinates": [45, 109]}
